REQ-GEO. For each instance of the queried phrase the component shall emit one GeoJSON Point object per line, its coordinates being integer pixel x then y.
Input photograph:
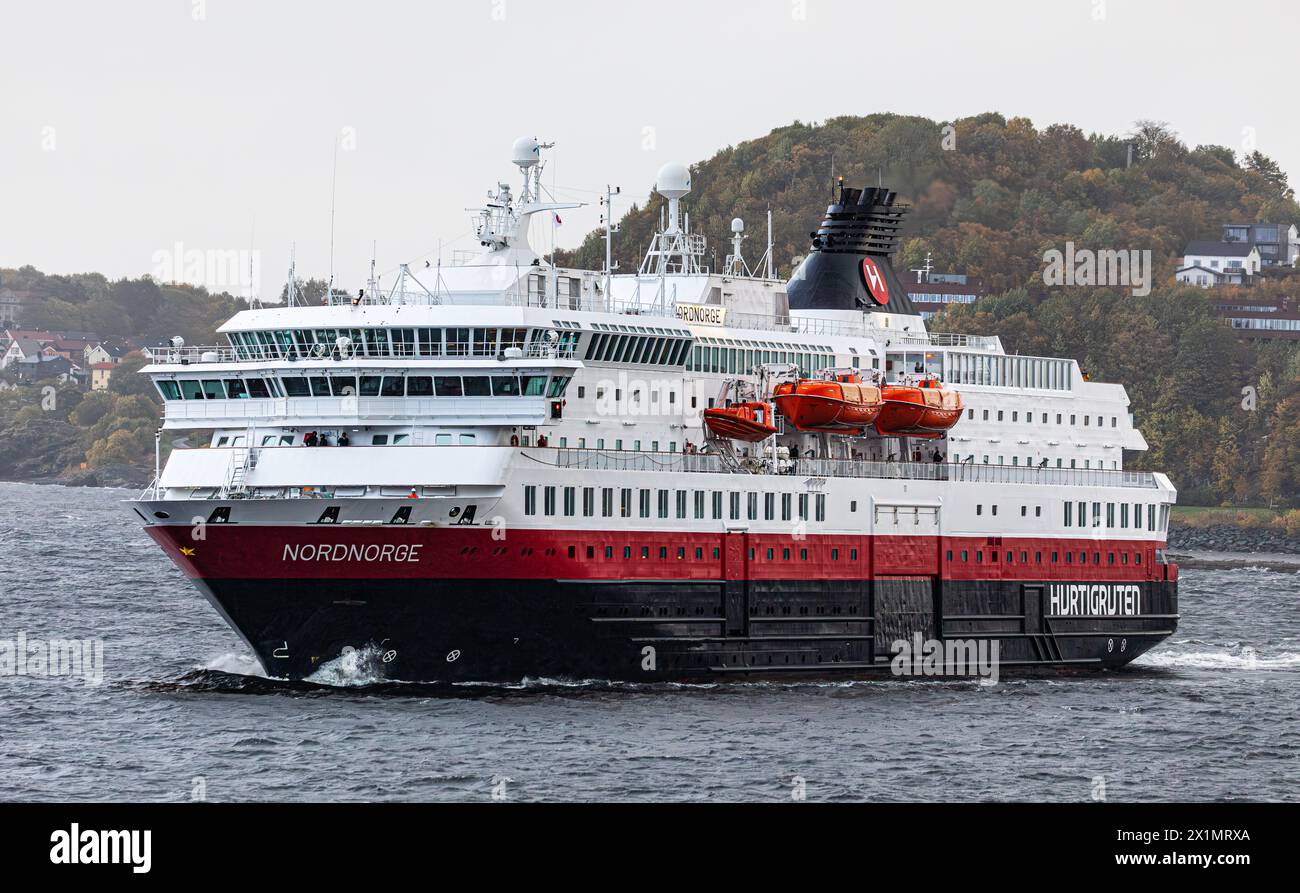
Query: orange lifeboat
{"type": "Point", "coordinates": [741, 421]}
{"type": "Point", "coordinates": [923, 410]}
{"type": "Point", "coordinates": [839, 405]}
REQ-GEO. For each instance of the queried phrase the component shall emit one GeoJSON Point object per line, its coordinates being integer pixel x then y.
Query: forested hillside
{"type": "Point", "coordinates": [53, 430]}
{"type": "Point", "coordinates": [989, 195]}
{"type": "Point", "coordinates": [88, 302]}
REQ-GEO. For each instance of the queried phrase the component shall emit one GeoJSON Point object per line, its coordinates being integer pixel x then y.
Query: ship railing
{"type": "Point", "coordinates": [952, 339]}
{"type": "Point", "coordinates": [622, 460]}
{"type": "Point", "coordinates": [187, 356]}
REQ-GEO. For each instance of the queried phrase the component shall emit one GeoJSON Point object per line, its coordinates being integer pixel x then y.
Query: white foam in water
{"type": "Point", "coordinates": [236, 665]}
{"type": "Point", "coordinates": [1240, 659]}
{"type": "Point", "coordinates": [354, 667]}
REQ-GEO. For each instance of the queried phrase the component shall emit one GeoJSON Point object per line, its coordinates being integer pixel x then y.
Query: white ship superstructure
{"type": "Point", "coordinates": [509, 462]}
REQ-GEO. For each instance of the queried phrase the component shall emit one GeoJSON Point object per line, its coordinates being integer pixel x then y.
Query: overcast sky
{"type": "Point", "coordinates": [129, 128]}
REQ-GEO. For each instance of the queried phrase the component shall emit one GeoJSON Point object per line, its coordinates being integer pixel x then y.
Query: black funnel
{"type": "Point", "coordinates": [849, 267]}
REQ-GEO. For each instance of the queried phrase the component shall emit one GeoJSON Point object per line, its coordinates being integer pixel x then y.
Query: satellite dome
{"type": "Point", "coordinates": [737, 225]}
{"type": "Point", "coordinates": [673, 180]}
{"type": "Point", "coordinates": [526, 152]}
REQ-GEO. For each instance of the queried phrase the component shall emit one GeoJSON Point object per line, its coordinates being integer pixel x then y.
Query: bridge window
{"type": "Point", "coordinates": [458, 342]}
{"type": "Point", "coordinates": [476, 386]}
{"type": "Point", "coordinates": [419, 386]}
{"type": "Point", "coordinates": [295, 386]}
{"type": "Point", "coordinates": [341, 385]}
{"type": "Point", "coordinates": [505, 386]}
{"type": "Point", "coordinates": [169, 390]}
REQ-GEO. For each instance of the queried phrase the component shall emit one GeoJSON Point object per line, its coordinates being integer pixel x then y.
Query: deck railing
{"type": "Point", "coordinates": [855, 468]}
{"type": "Point", "coordinates": [224, 355]}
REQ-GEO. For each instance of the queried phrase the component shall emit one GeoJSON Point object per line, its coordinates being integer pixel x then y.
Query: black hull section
{"type": "Point", "coordinates": [508, 630]}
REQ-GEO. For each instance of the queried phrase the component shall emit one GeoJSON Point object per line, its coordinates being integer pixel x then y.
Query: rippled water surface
{"type": "Point", "coordinates": [1212, 714]}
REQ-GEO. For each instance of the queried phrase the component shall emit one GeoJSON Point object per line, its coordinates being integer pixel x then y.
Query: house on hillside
{"type": "Point", "coordinates": [21, 350]}
{"type": "Point", "coordinates": [100, 375]}
{"type": "Point", "coordinates": [51, 366]}
{"type": "Point", "coordinates": [933, 291]}
{"type": "Point", "coordinates": [70, 347]}
{"type": "Point", "coordinates": [113, 350]}
{"type": "Point", "coordinates": [1258, 318]}
{"type": "Point", "coordinates": [1278, 245]}
{"type": "Point", "coordinates": [1208, 263]}
{"type": "Point", "coordinates": [11, 303]}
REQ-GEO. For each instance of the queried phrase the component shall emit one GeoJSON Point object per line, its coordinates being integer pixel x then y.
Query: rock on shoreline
{"type": "Point", "coordinates": [1229, 538]}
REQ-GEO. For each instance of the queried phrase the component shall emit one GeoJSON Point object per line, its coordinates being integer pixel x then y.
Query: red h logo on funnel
{"type": "Point", "coordinates": [875, 281]}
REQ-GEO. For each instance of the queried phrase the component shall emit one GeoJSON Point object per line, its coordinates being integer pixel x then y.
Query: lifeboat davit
{"type": "Point", "coordinates": [839, 405]}
{"type": "Point", "coordinates": [741, 421]}
{"type": "Point", "coordinates": [924, 410]}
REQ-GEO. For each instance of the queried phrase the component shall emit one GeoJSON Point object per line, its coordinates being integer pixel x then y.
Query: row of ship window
{"type": "Point", "coordinates": [238, 440]}
{"type": "Point", "coordinates": [383, 342]}
{"type": "Point", "coordinates": [1079, 517]}
{"type": "Point", "coordinates": [1113, 510]}
{"type": "Point", "coordinates": [1030, 463]}
{"type": "Point", "coordinates": [743, 360]}
{"type": "Point", "coordinates": [1044, 373]}
{"type": "Point", "coordinates": [364, 386]}
{"type": "Point", "coordinates": [651, 350]}
{"type": "Point", "coordinates": [645, 503]}
{"type": "Point", "coordinates": [965, 555]}
{"type": "Point", "coordinates": [834, 554]}
{"type": "Point", "coordinates": [1029, 418]}
{"type": "Point", "coordinates": [627, 502]}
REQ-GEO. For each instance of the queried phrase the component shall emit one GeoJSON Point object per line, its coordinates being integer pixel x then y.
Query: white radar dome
{"type": "Point", "coordinates": [737, 225]}
{"type": "Point", "coordinates": [673, 180]}
{"type": "Point", "coordinates": [526, 152]}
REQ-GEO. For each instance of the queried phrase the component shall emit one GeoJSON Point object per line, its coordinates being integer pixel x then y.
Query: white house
{"type": "Point", "coordinates": [21, 350]}
{"type": "Point", "coordinates": [1209, 263]}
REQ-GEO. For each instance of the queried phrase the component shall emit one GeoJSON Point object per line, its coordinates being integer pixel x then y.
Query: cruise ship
{"type": "Point", "coordinates": [501, 469]}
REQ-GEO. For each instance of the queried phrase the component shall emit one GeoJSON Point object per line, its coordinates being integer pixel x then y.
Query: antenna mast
{"type": "Point", "coordinates": [334, 183]}
{"type": "Point", "coordinates": [610, 229]}
{"type": "Point", "coordinates": [291, 288]}
{"type": "Point", "coordinates": [252, 240]}
{"type": "Point", "coordinates": [771, 274]}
